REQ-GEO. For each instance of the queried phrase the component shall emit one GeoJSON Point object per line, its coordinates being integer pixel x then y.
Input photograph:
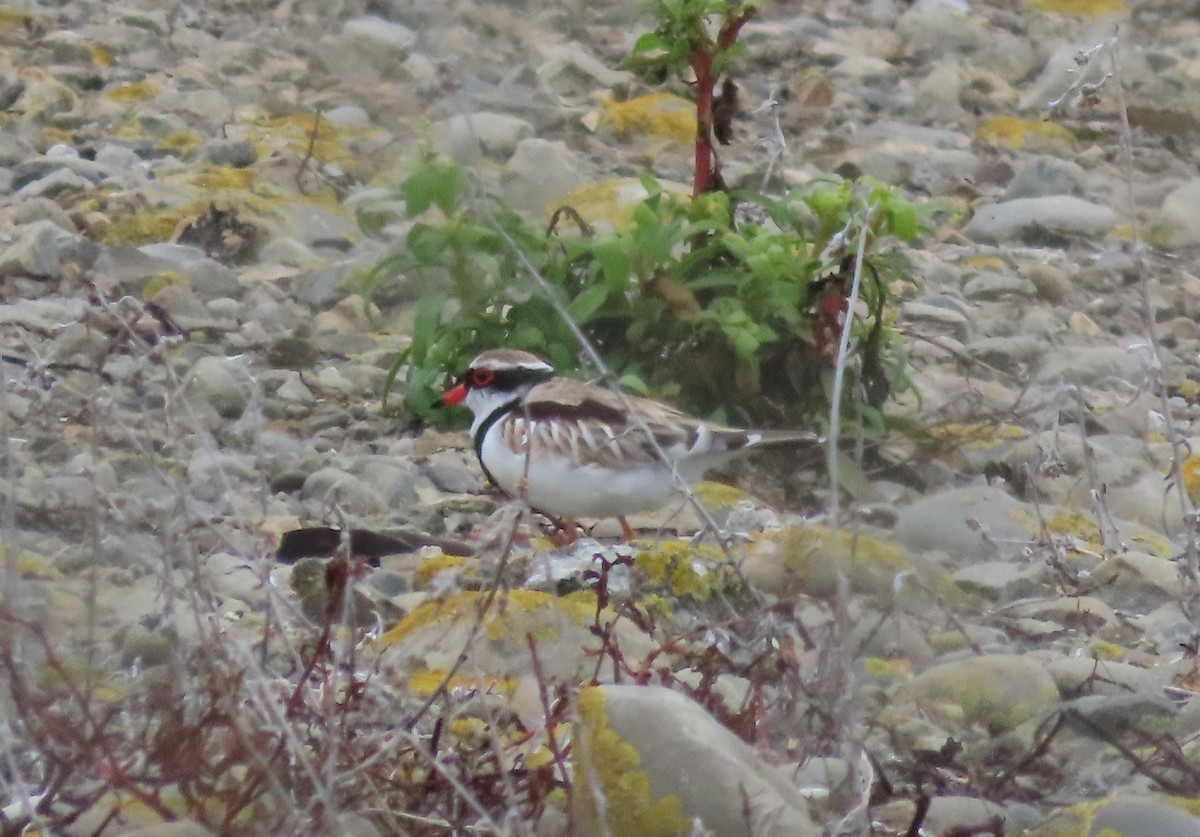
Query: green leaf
{"type": "Point", "coordinates": [588, 302]}
{"type": "Point", "coordinates": [902, 219]}
{"type": "Point", "coordinates": [648, 42]}
{"type": "Point", "coordinates": [434, 181]}
{"type": "Point", "coordinates": [613, 258]}
{"type": "Point", "coordinates": [634, 384]}
{"type": "Point", "coordinates": [426, 326]}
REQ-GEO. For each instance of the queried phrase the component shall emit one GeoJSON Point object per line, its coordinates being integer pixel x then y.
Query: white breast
{"type": "Point", "coordinates": [556, 485]}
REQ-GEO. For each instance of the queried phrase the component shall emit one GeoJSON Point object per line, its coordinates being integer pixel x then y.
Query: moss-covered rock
{"type": "Point", "coordinates": [998, 692]}
{"type": "Point", "coordinates": [809, 559]}
{"type": "Point", "coordinates": [661, 763]}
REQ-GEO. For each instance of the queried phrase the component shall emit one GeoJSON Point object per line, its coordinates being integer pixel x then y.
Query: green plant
{"type": "Point", "coordinates": [682, 40]}
{"type": "Point", "coordinates": [733, 318]}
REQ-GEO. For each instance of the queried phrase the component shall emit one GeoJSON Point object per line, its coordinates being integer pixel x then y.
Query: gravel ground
{"type": "Point", "coordinates": [193, 373]}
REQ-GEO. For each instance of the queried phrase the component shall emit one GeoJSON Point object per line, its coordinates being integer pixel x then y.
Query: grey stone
{"type": "Point", "coordinates": [1000, 580]}
{"type": "Point", "coordinates": [231, 152]}
{"type": "Point", "coordinates": [347, 116]}
{"type": "Point", "coordinates": [58, 182]}
{"type": "Point", "coordinates": [1009, 352]}
{"type": "Point", "coordinates": [13, 149]}
{"type": "Point", "coordinates": [216, 380]}
{"type": "Point", "coordinates": [388, 583]}
{"type": "Point", "coordinates": [37, 168]}
{"type": "Point", "coordinates": [367, 49]}
{"type": "Point", "coordinates": [294, 390]}
{"type": "Point", "coordinates": [1181, 211]}
{"type": "Point", "coordinates": [937, 93]}
{"type": "Point", "coordinates": [1055, 214]}
{"type": "Point", "coordinates": [31, 210]}
{"type": "Point", "coordinates": [539, 172]}
{"type": "Point", "coordinates": [1129, 816]}
{"type": "Point", "coordinates": [1138, 581]}
{"type": "Point", "coordinates": [929, 28]}
{"type": "Point", "coordinates": [114, 155]}
{"type": "Point", "coordinates": [943, 319]}
{"type": "Point", "coordinates": [145, 647]}
{"type": "Point", "coordinates": [1053, 284]}
{"type": "Point", "coordinates": [469, 138]}
{"type": "Point", "coordinates": [570, 72]}
{"type": "Point", "coordinates": [448, 473]}
{"type": "Point", "coordinates": [997, 285]}
{"type": "Point", "coordinates": [966, 523]}
{"type": "Point", "coordinates": [206, 276]}
{"type": "Point", "coordinates": [44, 250]}
{"type": "Point", "coordinates": [393, 480]}
{"type": "Point", "coordinates": [1091, 365]}
{"type": "Point", "coordinates": [1044, 176]}
{"type": "Point", "coordinates": [348, 491]}
{"type": "Point", "coordinates": [375, 35]}
{"type": "Point", "coordinates": [318, 226]}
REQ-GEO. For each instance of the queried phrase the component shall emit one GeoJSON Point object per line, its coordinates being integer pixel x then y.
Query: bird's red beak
{"type": "Point", "coordinates": [455, 395]}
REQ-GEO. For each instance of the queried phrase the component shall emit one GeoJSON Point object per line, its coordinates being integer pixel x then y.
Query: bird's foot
{"type": "Point", "coordinates": [562, 532]}
{"type": "Point", "coordinates": [627, 533]}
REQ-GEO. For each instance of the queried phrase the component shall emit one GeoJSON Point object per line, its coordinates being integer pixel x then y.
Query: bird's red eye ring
{"type": "Point", "coordinates": [482, 377]}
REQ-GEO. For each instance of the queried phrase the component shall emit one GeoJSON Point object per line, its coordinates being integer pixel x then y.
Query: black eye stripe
{"type": "Point", "coordinates": [508, 380]}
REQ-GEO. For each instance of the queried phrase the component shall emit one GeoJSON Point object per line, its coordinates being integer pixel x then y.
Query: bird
{"type": "Point", "coordinates": [574, 449]}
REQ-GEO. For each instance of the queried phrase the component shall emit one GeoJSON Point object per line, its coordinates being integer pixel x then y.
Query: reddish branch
{"type": "Point", "coordinates": [703, 55]}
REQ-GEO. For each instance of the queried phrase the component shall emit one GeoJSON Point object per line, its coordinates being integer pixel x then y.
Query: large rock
{"type": "Point", "coordinates": [663, 764]}
{"type": "Point", "coordinates": [1121, 816]}
{"type": "Point", "coordinates": [999, 691]}
{"type": "Point", "coordinates": [1054, 214]}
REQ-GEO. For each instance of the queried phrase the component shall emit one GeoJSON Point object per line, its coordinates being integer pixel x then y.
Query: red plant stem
{"type": "Point", "coordinates": [708, 167]}
{"type": "Point", "coordinates": [556, 750]}
{"type": "Point", "coordinates": [701, 61]}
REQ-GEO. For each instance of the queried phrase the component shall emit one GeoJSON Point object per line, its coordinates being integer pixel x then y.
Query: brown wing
{"type": "Point", "coordinates": [593, 424]}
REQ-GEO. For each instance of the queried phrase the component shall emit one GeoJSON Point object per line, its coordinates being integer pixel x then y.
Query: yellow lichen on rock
{"type": "Point", "coordinates": [426, 681]}
{"type": "Point", "coordinates": [434, 565]}
{"type": "Point", "coordinates": [160, 281]}
{"type": "Point", "coordinates": [610, 203]}
{"type": "Point", "coordinates": [18, 22]}
{"type": "Point", "coordinates": [977, 434]}
{"type": "Point", "coordinates": [133, 92]}
{"type": "Point", "coordinates": [224, 177]}
{"type": "Point", "coordinates": [655, 115]}
{"type": "Point", "coordinates": [181, 142]}
{"type": "Point", "coordinates": [306, 135]}
{"type": "Point", "coordinates": [1086, 9]}
{"type": "Point", "coordinates": [607, 767]}
{"type": "Point", "coordinates": [146, 227]}
{"type": "Point", "coordinates": [682, 569]}
{"type": "Point", "coordinates": [1190, 469]}
{"type": "Point", "coordinates": [1013, 132]}
{"type": "Point", "coordinates": [500, 621]}
{"type": "Point", "coordinates": [810, 559]}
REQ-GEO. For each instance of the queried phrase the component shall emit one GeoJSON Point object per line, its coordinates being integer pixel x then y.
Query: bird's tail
{"type": "Point", "coordinates": [783, 437]}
